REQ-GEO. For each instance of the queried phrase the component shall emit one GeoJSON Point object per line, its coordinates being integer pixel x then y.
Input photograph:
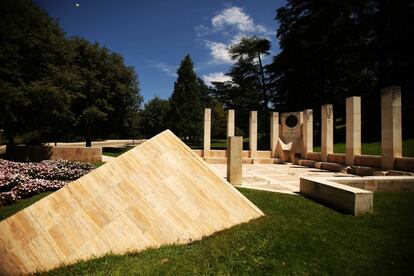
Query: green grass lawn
{"type": "Point", "coordinates": [8, 211]}
{"type": "Point", "coordinates": [114, 152]}
{"type": "Point", "coordinates": [297, 236]}
{"type": "Point", "coordinates": [97, 163]}
{"type": "Point", "coordinates": [367, 148]}
{"type": "Point", "coordinates": [374, 148]}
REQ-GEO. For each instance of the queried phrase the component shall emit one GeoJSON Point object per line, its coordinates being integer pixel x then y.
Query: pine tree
{"type": "Point", "coordinates": [186, 103]}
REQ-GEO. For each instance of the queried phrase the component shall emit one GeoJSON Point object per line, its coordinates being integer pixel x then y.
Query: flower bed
{"type": "Point", "coordinates": [23, 180]}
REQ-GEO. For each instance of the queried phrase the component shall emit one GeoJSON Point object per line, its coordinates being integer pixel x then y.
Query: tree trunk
{"type": "Point", "coordinates": [88, 137]}
{"type": "Point", "coordinates": [266, 101]}
{"type": "Point", "coordinates": [10, 138]}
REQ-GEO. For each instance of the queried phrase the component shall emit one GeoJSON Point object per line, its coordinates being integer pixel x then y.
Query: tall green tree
{"type": "Point", "coordinates": [107, 91]}
{"type": "Point", "coordinates": [154, 117]}
{"type": "Point", "coordinates": [248, 69]}
{"type": "Point", "coordinates": [56, 86]}
{"type": "Point", "coordinates": [334, 49]}
{"type": "Point", "coordinates": [187, 103]}
{"type": "Point", "coordinates": [248, 89]}
{"type": "Point", "coordinates": [32, 51]}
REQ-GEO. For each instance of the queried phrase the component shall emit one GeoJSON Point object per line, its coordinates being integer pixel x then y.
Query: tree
{"type": "Point", "coordinates": [55, 86]}
{"type": "Point", "coordinates": [187, 103]}
{"type": "Point", "coordinates": [154, 116]}
{"type": "Point", "coordinates": [107, 91]}
{"type": "Point", "coordinates": [218, 119]}
{"type": "Point", "coordinates": [32, 50]}
{"type": "Point", "coordinates": [248, 68]}
{"type": "Point", "coordinates": [331, 50]}
{"type": "Point", "coordinates": [248, 89]}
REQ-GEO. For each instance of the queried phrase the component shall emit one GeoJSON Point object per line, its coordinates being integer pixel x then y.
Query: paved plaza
{"type": "Point", "coordinates": [281, 178]}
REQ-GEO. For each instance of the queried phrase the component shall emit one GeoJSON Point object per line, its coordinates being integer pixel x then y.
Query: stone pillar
{"type": "Point", "coordinates": [253, 133]}
{"type": "Point", "coordinates": [234, 159]}
{"type": "Point", "coordinates": [274, 132]}
{"type": "Point", "coordinates": [391, 132]}
{"type": "Point", "coordinates": [207, 131]}
{"type": "Point", "coordinates": [353, 128]}
{"type": "Point", "coordinates": [230, 122]}
{"type": "Point", "coordinates": [327, 130]}
{"type": "Point", "coordinates": [307, 132]}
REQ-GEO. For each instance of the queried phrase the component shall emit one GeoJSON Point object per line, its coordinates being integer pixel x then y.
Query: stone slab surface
{"type": "Point", "coordinates": [158, 193]}
{"type": "Point", "coordinates": [275, 177]}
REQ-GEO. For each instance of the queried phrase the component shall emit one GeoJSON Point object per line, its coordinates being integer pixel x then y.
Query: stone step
{"type": "Point", "coordinates": [222, 160]}
{"type": "Point", "coordinates": [308, 163]}
{"type": "Point", "coordinates": [215, 160]}
{"type": "Point", "coordinates": [332, 167]}
{"type": "Point", "coordinates": [360, 170]}
{"type": "Point", "coordinates": [399, 173]}
{"type": "Point", "coordinates": [264, 160]}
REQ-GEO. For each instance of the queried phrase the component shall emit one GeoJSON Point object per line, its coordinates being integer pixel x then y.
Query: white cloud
{"type": "Point", "coordinates": [215, 77]}
{"type": "Point", "coordinates": [232, 23]}
{"type": "Point", "coordinates": [219, 52]}
{"type": "Point", "coordinates": [169, 70]}
{"type": "Point", "coordinates": [236, 17]}
{"type": "Point", "coordinates": [202, 30]}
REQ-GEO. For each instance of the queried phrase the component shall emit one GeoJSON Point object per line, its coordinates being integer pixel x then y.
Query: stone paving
{"type": "Point", "coordinates": [275, 177]}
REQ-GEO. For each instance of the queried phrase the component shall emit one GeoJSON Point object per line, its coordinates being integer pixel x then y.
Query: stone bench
{"type": "Point", "coordinates": [345, 198]}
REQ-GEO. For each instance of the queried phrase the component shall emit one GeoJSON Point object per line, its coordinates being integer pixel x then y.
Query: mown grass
{"type": "Point", "coordinates": [374, 148]}
{"type": "Point", "coordinates": [114, 152]}
{"type": "Point", "coordinates": [7, 211]}
{"type": "Point", "coordinates": [367, 148]}
{"type": "Point", "coordinates": [97, 163]}
{"type": "Point", "coordinates": [297, 236]}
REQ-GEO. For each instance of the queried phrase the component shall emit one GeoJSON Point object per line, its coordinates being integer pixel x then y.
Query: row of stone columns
{"type": "Point", "coordinates": [274, 130]}
{"type": "Point", "coordinates": [391, 133]}
{"type": "Point", "coordinates": [353, 130]}
{"type": "Point", "coordinates": [391, 130]}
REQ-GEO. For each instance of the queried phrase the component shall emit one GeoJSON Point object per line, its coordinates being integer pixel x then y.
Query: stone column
{"type": "Point", "coordinates": [207, 131]}
{"type": "Point", "coordinates": [253, 133]}
{"type": "Point", "coordinates": [307, 132]}
{"type": "Point", "coordinates": [353, 128]}
{"type": "Point", "coordinates": [327, 130]}
{"type": "Point", "coordinates": [234, 159]}
{"type": "Point", "coordinates": [274, 132]}
{"type": "Point", "coordinates": [230, 122]}
{"type": "Point", "coordinates": [391, 132]}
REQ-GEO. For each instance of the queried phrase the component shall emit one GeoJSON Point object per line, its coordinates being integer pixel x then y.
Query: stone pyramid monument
{"type": "Point", "coordinates": [157, 193]}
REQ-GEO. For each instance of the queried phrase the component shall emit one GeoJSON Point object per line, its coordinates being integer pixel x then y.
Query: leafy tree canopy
{"type": "Point", "coordinates": [187, 102]}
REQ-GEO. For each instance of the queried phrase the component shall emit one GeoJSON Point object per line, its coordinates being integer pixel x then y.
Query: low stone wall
{"type": "Point", "coordinates": [199, 152]}
{"type": "Point", "coordinates": [223, 153]}
{"type": "Point", "coordinates": [373, 161]}
{"type": "Point", "coordinates": [339, 158]}
{"type": "Point", "coordinates": [77, 154]}
{"type": "Point", "coordinates": [404, 164]}
{"type": "Point", "coordinates": [315, 156]}
{"type": "Point", "coordinates": [39, 153]}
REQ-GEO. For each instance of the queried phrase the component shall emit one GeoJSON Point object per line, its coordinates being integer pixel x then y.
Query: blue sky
{"type": "Point", "coordinates": [154, 36]}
